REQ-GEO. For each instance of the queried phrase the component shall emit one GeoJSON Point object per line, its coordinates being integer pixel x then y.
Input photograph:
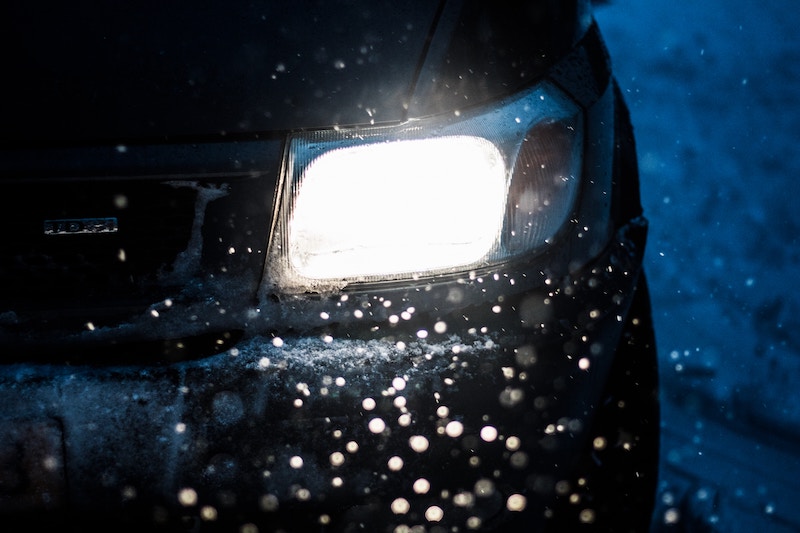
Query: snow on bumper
{"type": "Point", "coordinates": [460, 430]}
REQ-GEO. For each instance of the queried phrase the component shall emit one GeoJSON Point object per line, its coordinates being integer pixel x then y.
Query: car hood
{"type": "Point", "coordinates": [153, 70]}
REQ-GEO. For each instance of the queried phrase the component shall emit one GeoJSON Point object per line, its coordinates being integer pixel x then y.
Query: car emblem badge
{"type": "Point", "coordinates": [81, 226]}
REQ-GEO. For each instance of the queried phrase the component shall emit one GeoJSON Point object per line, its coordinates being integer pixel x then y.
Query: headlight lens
{"type": "Point", "coordinates": [430, 196]}
{"type": "Point", "coordinates": [397, 207]}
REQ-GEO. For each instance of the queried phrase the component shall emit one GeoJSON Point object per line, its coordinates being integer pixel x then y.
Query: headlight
{"type": "Point", "coordinates": [430, 196]}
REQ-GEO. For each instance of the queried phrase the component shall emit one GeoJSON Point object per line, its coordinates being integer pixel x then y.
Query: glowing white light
{"type": "Point", "coordinates": [187, 497]}
{"type": "Point", "coordinates": [672, 516]}
{"type": "Point", "coordinates": [586, 516]}
{"type": "Point", "coordinates": [400, 506]}
{"type": "Point", "coordinates": [418, 443]}
{"type": "Point", "coordinates": [463, 499]}
{"type": "Point", "coordinates": [395, 463]}
{"type": "Point", "coordinates": [368, 404]}
{"type": "Point", "coordinates": [208, 513]}
{"type": "Point", "coordinates": [454, 429]}
{"type": "Point", "coordinates": [376, 425]}
{"type": "Point", "coordinates": [422, 486]}
{"type": "Point", "coordinates": [434, 513]}
{"type": "Point", "coordinates": [441, 203]}
{"type": "Point", "coordinates": [516, 502]}
{"type": "Point", "coordinates": [489, 433]}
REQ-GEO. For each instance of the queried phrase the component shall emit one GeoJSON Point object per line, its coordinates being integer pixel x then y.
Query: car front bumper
{"type": "Point", "coordinates": [335, 426]}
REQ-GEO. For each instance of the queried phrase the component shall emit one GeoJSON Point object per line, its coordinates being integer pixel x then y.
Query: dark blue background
{"type": "Point", "coordinates": [714, 88]}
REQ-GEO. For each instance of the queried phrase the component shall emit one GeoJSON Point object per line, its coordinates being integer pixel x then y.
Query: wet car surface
{"type": "Point", "coordinates": [201, 332]}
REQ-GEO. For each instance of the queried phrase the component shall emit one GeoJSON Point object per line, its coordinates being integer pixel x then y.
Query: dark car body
{"type": "Point", "coordinates": [169, 360]}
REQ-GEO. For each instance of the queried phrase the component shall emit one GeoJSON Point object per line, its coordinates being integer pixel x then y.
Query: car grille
{"type": "Point", "coordinates": [78, 270]}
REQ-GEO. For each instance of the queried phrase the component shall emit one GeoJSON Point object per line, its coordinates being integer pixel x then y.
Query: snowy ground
{"type": "Point", "coordinates": [714, 89]}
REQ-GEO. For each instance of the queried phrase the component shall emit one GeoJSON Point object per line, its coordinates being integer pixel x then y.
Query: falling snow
{"type": "Point", "coordinates": [713, 90]}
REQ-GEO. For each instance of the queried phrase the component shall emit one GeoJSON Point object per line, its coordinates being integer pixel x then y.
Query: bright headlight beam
{"type": "Point", "coordinates": [444, 194]}
{"type": "Point", "coordinates": [398, 207]}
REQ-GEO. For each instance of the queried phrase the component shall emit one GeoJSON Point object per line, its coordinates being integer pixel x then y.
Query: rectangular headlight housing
{"type": "Point", "coordinates": [430, 196]}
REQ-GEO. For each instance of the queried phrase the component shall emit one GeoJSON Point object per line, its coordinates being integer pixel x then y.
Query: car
{"type": "Point", "coordinates": [331, 266]}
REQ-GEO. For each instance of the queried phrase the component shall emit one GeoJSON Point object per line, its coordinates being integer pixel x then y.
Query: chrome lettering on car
{"type": "Point", "coordinates": [81, 226]}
